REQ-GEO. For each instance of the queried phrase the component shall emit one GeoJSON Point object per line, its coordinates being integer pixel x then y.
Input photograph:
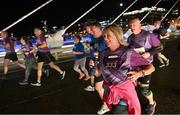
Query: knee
{"type": "Point", "coordinates": [146, 91]}
{"type": "Point", "coordinates": [51, 65]}
{"type": "Point", "coordinates": [39, 69]}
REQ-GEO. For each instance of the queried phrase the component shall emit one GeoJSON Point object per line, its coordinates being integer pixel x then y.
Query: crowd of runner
{"type": "Point", "coordinates": [116, 65]}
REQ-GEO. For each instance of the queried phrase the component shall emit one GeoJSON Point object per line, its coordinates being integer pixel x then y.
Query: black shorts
{"type": "Point", "coordinates": [98, 79]}
{"type": "Point", "coordinates": [11, 56]}
{"type": "Point", "coordinates": [45, 57]}
{"type": "Point", "coordinates": [145, 80]}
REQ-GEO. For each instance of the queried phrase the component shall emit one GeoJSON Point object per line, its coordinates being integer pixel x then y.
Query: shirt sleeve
{"type": "Point", "coordinates": [136, 60]}
{"type": "Point", "coordinates": [42, 40]}
{"type": "Point", "coordinates": [81, 48]}
{"type": "Point", "coordinates": [154, 41]}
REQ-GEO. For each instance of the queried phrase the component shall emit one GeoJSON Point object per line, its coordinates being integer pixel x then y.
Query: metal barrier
{"type": "Point", "coordinates": [56, 52]}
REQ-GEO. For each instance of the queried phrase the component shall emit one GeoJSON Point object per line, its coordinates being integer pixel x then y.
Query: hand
{"type": "Point", "coordinates": [146, 54]}
{"type": "Point", "coordinates": [134, 75]}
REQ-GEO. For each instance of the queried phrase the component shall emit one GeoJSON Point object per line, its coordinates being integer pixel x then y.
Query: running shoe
{"type": "Point", "coordinates": [63, 75]}
{"type": "Point", "coordinates": [151, 108]}
{"type": "Point", "coordinates": [89, 88]}
{"type": "Point", "coordinates": [167, 62]}
{"type": "Point", "coordinates": [162, 65]}
{"type": "Point", "coordinates": [104, 109]}
{"type": "Point", "coordinates": [23, 82]}
{"type": "Point", "coordinates": [36, 84]}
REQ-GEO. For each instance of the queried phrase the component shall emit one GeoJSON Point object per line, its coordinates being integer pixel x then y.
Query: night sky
{"type": "Point", "coordinates": [63, 12]}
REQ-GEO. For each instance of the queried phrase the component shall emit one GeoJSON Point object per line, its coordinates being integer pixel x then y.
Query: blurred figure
{"type": "Point", "coordinates": [147, 44]}
{"type": "Point", "coordinates": [44, 56]}
{"type": "Point", "coordinates": [30, 60]}
{"type": "Point", "coordinates": [98, 46]}
{"type": "Point", "coordinates": [91, 45]}
{"type": "Point", "coordinates": [10, 53]}
{"type": "Point", "coordinates": [172, 26]}
{"type": "Point", "coordinates": [121, 66]}
{"type": "Point", "coordinates": [162, 34]}
{"type": "Point", "coordinates": [80, 58]}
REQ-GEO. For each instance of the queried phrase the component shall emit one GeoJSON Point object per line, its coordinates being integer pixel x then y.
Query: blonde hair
{"type": "Point", "coordinates": [117, 31]}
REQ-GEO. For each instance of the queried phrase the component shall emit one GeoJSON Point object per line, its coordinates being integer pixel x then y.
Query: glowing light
{"type": "Point", "coordinates": [121, 4]}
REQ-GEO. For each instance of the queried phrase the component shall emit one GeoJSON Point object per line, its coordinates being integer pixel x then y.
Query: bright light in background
{"type": "Point", "coordinates": [121, 4]}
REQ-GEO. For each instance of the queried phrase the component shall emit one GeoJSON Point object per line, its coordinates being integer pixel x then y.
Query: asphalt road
{"type": "Point", "coordinates": [68, 97]}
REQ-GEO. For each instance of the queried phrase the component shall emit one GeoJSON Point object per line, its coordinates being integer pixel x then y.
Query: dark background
{"type": "Point", "coordinates": [64, 12]}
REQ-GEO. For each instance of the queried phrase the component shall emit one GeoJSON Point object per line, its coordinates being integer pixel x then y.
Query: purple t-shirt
{"type": "Point", "coordinates": [144, 40]}
{"type": "Point", "coordinates": [40, 40]}
{"type": "Point", "coordinates": [27, 48]}
{"type": "Point", "coordinates": [115, 65]}
{"type": "Point", "coordinates": [11, 43]}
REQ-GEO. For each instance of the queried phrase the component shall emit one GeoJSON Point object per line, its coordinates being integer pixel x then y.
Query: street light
{"type": "Point", "coordinates": [121, 4]}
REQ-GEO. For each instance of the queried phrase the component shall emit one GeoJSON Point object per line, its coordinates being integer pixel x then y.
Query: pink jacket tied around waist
{"type": "Point", "coordinates": [124, 91]}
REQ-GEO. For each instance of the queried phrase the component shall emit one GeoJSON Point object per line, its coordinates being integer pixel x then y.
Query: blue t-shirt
{"type": "Point", "coordinates": [101, 45]}
{"type": "Point", "coordinates": [79, 48]}
{"type": "Point", "coordinates": [97, 44]}
{"type": "Point", "coordinates": [91, 49]}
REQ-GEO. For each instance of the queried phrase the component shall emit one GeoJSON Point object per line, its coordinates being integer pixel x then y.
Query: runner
{"type": "Point", "coordinates": [80, 58]}
{"type": "Point", "coordinates": [162, 36]}
{"type": "Point", "coordinates": [30, 60]}
{"type": "Point", "coordinates": [44, 56]}
{"type": "Point", "coordinates": [10, 54]}
{"type": "Point", "coordinates": [121, 67]}
{"type": "Point", "coordinates": [147, 44]}
{"type": "Point", "coordinates": [99, 46]}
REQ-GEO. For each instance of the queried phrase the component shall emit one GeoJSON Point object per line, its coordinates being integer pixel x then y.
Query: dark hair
{"type": "Point", "coordinates": [77, 36]}
{"type": "Point", "coordinates": [157, 21]}
{"type": "Point", "coordinates": [133, 18]}
{"type": "Point", "coordinates": [89, 21]}
{"type": "Point", "coordinates": [39, 28]}
{"type": "Point", "coordinates": [92, 22]}
{"type": "Point", "coordinates": [26, 39]}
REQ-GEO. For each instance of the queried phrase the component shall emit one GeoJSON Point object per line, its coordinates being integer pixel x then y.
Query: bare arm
{"type": "Point", "coordinates": [98, 73]}
{"type": "Point", "coordinates": [134, 75]}
{"type": "Point", "coordinates": [33, 50]}
{"type": "Point", "coordinates": [165, 36]}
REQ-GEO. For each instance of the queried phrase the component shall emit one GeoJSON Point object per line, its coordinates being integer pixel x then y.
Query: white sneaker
{"type": "Point", "coordinates": [63, 75]}
{"type": "Point", "coordinates": [89, 88]}
{"type": "Point", "coordinates": [162, 65]}
{"type": "Point", "coordinates": [104, 109]}
{"type": "Point", "coordinates": [36, 84]}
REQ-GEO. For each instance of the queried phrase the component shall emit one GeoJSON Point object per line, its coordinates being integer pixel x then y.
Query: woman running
{"type": "Point", "coordinates": [121, 66]}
